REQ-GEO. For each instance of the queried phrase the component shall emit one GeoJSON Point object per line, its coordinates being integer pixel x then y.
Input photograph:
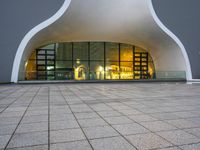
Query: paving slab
{"type": "Point", "coordinates": [191, 147]}
{"type": "Point", "coordinates": [28, 139]}
{"type": "Point", "coordinates": [40, 147]}
{"type": "Point", "coordinates": [183, 123]}
{"type": "Point", "coordinates": [100, 132]}
{"type": "Point", "coordinates": [110, 113]}
{"type": "Point", "coordinates": [7, 129]}
{"type": "Point", "coordinates": [86, 115]}
{"type": "Point", "coordinates": [158, 126]}
{"type": "Point", "coordinates": [66, 135]}
{"type": "Point", "coordinates": [66, 124]}
{"type": "Point", "coordinates": [32, 127]}
{"type": "Point", "coordinates": [179, 137]}
{"type": "Point", "coordinates": [170, 148]}
{"type": "Point", "coordinates": [61, 117]}
{"type": "Point", "coordinates": [4, 140]}
{"type": "Point", "coordinates": [194, 131]}
{"type": "Point", "coordinates": [148, 141]}
{"type": "Point", "coordinates": [142, 118]}
{"type": "Point", "coordinates": [92, 122]}
{"type": "Point", "coordinates": [34, 119]}
{"type": "Point", "coordinates": [114, 143]}
{"type": "Point", "coordinates": [77, 145]}
{"type": "Point", "coordinates": [100, 107]}
{"type": "Point", "coordinates": [118, 120]}
{"type": "Point", "coordinates": [128, 129]}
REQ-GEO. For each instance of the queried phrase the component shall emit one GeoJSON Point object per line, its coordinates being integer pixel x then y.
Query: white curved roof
{"type": "Point", "coordinates": [126, 21]}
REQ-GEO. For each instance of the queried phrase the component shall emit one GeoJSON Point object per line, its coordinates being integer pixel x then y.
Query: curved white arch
{"type": "Point", "coordinates": [31, 34]}
{"type": "Point", "coordinates": [174, 37]}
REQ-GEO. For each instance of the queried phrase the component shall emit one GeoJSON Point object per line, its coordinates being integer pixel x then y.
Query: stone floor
{"type": "Point", "coordinates": [118, 116]}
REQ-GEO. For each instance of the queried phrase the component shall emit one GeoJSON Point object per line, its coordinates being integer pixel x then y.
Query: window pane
{"type": "Point", "coordinates": [41, 77]}
{"type": "Point", "coordinates": [97, 51]}
{"type": "Point", "coordinates": [50, 62]}
{"type": "Point", "coordinates": [31, 70]}
{"type": "Point", "coordinates": [96, 70]}
{"type": "Point", "coordinates": [67, 65]}
{"type": "Point", "coordinates": [50, 68]}
{"type": "Point", "coordinates": [126, 52]}
{"type": "Point", "coordinates": [126, 70]}
{"type": "Point", "coordinates": [50, 73]}
{"type": "Point", "coordinates": [112, 52]}
{"type": "Point", "coordinates": [81, 71]}
{"type": "Point", "coordinates": [80, 51]}
{"type": "Point", "coordinates": [144, 55]}
{"type": "Point", "coordinates": [51, 77]}
{"type": "Point", "coordinates": [64, 70]}
{"type": "Point", "coordinates": [41, 62]}
{"type": "Point", "coordinates": [137, 54]}
{"type": "Point", "coordinates": [50, 52]}
{"type": "Point", "coordinates": [112, 70]}
{"type": "Point", "coordinates": [41, 73]}
{"type": "Point", "coordinates": [50, 46]}
{"type": "Point", "coordinates": [50, 57]}
{"type": "Point", "coordinates": [41, 51]}
{"type": "Point", "coordinates": [151, 70]}
{"type": "Point", "coordinates": [40, 56]}
{"type": "Point", "coordinates": [64, 51]}
{"type": "Point", "coordinates": [137, 59]}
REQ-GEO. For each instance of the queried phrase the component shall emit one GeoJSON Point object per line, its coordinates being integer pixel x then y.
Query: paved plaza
{"type": "Point", "coordinates": [101, 116]}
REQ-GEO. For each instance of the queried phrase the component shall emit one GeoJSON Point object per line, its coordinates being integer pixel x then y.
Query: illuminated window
{"type": "Point", "coordinates": [89, 61]}
{"type": "Point", "coordinates": [126, 52]}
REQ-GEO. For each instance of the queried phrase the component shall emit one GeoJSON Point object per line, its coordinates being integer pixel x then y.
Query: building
{"type": "Point", "coordinates": [99, 40]}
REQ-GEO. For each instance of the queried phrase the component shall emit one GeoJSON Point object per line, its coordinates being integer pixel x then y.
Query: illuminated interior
{"type": "Point", "coordinates": [89, 61]}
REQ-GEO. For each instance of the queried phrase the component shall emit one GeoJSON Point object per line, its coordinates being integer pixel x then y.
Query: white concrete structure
{"type": "Point", "coordinates": [130, 21]}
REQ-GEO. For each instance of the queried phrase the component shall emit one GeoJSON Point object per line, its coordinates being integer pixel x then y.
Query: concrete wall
{"type": "Point", "coordinates": [17, 17]}
{"type": "Point", "coordinates": [182, 17]}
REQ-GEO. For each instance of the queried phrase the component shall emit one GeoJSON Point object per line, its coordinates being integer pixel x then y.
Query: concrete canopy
{"type": "Point", "coordinates": [130, 21]}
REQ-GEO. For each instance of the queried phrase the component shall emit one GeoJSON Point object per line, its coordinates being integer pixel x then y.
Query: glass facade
{"type": "Point", "coordinates": [89, 61]}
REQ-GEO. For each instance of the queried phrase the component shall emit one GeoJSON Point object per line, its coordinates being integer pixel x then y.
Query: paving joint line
{"type": "Point", "coordinates": [13, 100]}
{"type": "Point", "coordinates": [76, 119]}
{"type": "Point", "coordinates": [145, 128]}
{"type": "Point", "coordinates": [112, 127]}
{"type": "Point", "coordinates": [21, 118]}
{"type": "Point", "coordinates": [49, 119]}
